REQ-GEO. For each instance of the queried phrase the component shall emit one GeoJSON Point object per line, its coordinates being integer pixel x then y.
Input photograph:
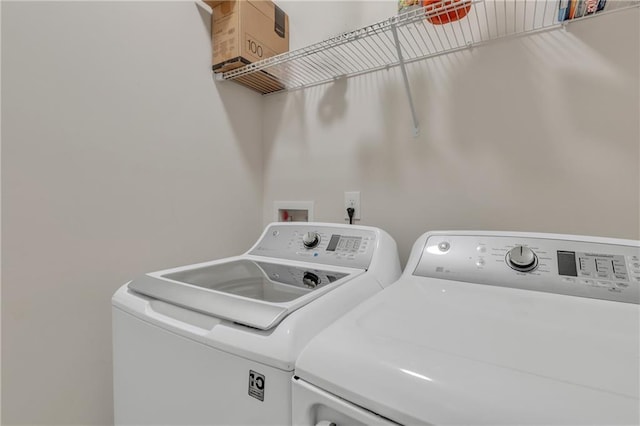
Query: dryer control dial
{"type": "Point", "coordinates": [522, 258]}
{"type": "Point", "coordinates": [311, 239]}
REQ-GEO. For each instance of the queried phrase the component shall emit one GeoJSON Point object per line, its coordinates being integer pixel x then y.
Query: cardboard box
{"type": "Point", "coordinates": [245, 31]}
{"type": "Point", "coordinates": [213, 3]}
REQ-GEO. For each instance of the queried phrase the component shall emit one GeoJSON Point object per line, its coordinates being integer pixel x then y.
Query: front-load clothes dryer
{"type": "Point", "coordinates": [486, 328]}
{"type": "Point", "coordinates": [216, 342]}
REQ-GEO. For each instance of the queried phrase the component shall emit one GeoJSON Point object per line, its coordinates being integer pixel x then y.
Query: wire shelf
{"type": "Point", "coordinates": [408, 37]}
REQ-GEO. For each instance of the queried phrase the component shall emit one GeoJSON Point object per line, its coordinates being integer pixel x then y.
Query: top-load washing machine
{"type": "Point", "coordinates": [216, 342]}
{"type": "Point", "coordinates": [486, 328]}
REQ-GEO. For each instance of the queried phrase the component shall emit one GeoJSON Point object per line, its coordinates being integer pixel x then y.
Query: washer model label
{"type": "Point", "coordinates": [256, 385]}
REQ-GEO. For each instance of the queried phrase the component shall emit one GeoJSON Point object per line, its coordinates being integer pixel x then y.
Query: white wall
{"type": "Point", "coordinates": [120, 155]}
{"type": "Point", "coordinates": [536, 134]}
{"type": "Point", "coordinates": [312, 21]}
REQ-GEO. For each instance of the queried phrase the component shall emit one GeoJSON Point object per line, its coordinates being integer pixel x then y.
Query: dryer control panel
{"type": "Point", "coordinates": [600, 269]}
{"type": "Point", "coordinates": [340, 245]}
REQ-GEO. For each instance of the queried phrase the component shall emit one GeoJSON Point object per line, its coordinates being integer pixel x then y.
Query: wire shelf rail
{"type": "Point", "coordinates": [374, 47]}
{"type": "Point", "coordinates": [424, 32]}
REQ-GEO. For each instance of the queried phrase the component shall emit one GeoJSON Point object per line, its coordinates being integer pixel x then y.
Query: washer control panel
{"type": "Point", "coordinates": [340, 246]}
{"type": "Point", "coordinates": [609, 271]}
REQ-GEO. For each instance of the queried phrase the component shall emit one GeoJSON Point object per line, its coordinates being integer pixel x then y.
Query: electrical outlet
{"type": "Point", "coordinates": [352, 199]}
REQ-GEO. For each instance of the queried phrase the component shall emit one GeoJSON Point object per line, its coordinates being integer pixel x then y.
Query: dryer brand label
{"type": "Point", "coordinates": [256, 385]}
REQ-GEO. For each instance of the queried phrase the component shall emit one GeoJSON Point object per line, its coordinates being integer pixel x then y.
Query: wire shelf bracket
{"type": "Point", "coordinates": [405, 79]}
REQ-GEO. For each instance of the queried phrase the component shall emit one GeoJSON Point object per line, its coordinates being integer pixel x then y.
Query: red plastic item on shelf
{"type": "Point", "coordinates": [452, 10]}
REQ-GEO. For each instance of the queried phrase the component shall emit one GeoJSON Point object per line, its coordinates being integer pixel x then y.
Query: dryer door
{"type": "Point", "coordinates": [313, 406]}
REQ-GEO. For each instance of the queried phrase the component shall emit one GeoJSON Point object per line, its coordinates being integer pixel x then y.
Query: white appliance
{"type": "Point", "coordinates": [486, 328]}
{"type": "Point", "coordinates": [216, 342]}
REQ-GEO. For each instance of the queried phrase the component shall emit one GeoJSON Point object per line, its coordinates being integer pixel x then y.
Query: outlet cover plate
{"type": "Point", "coordinates": [352, 199]}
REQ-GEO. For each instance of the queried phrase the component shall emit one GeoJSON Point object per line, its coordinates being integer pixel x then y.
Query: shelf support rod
{"type": "Point", "coordinates": [405, 78]}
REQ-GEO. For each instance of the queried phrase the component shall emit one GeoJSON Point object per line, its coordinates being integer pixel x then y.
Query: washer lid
{"type": "Point", "coordinates": [250, 292]}
{"type": "Point", "coordinates": [427, 350]}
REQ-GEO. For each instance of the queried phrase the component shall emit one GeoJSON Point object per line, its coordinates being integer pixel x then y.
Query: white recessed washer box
{"type": "Point", "coordinates": [293, 211]}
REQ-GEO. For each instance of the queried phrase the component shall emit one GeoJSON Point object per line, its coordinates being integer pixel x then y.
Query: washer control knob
{"type": "Point", "coordinates": [522, 258]}
{"type": "Point", "coordinates": [310, 280]}
{"type": "Point", "coordinates": [311, 239]}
